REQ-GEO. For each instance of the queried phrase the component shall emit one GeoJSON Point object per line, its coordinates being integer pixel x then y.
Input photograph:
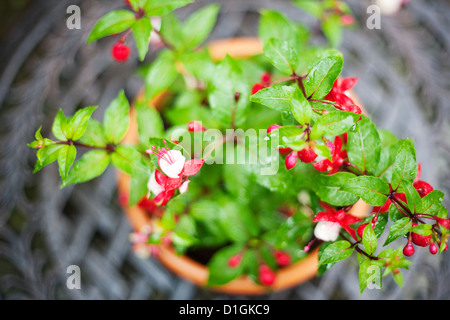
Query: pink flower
{"type": "Point", "coordinates": [330, 222]}
{"type": "Point", "coordinates": [337, 157]}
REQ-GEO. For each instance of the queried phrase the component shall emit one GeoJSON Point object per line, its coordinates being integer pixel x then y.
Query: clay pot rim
{"type": "Point", "coordinates": [190, 270]}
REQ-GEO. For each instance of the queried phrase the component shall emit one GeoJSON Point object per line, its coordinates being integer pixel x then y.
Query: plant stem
{"type": "Point", "coordinates": [358, 249]}
{"type": "Point", "coordinates": [109, 148]}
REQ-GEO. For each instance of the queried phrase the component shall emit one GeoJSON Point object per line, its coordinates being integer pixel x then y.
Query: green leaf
{"type": "Point", "coordinates": [47, 155]}
{"type": "Point", "coordinates": [369, 274]}
{"type": "Point", "coordinates": [162, 7]}
{"type": "Point", "coordinates": [369, 239]}
{"type": "Point", "coordinates": [330, 189]}
{"type": "Point", "coordinates": [117, 119]}
{"type": "Point", "coordinates": [227, 81]}
{"type": "Point", "coordinates": [66, 157]}
{"type": "Point", "coordinates": [313, 7]}
{"type": "Point", "coordinates": [332, 28]}
{"type": "Point", "coordinates": [113, 22]}
{"type": "Point", "coordinates": [422, 229]}
{"type": "Point", "coordinates": [125, 158]}
{"type": "Point", "coordinates": [59, 125]}
{"type": "Point", "coordinates": [199, 25]}
{"type": "Point", "coordinates": [333, 123]}
{"type": "Point", "coordinates": [323, 73]}
{"type": "Point", "coordinates": [336, 251]}
{"type": "Point", "coordinates": [398, 228]}
{"type": "Point", "coordinates": [77, 125]}
{"type": "Point", "coordinates": [150, 123]}
{"type": "Point", "coordinates": [94, 134]}
{"type": "Point", "coordinates": [91, 165]}
{"type": "Point", "coordinates": [287, 137]}
{"type": "Point", "coordinates": [142, 29]}
{"type": "Point", "coordinates": [281, 55]}
{"type": "Point", "coordinates": [413, 199]}
{"type": "Point", "coordinates": [372, 190]}
{"type": "Point", "coordinates": [164, 64]}
{"type": "Point", "coordinates": [276, 97]}
{"type": "Point", "coordinates": [405, 166]}
{"type": "Point", "coordinates": [432, 202]}
{"type": "Point", "coordinates": [274, 24]}
{"type": "Point", "coordinates": [219, 271]}
{"type": "Point", "coordinates": [364, 145]}
{"type": "Point", "coordinates": [386, 163]}
{"type": "Point", "coordinates": [238, 222]}
{"type": "Point", "coordinates": [301, 109]}
{"type": "Point", "coordinates": [182, 241]}
{"type": "Point", "coordinates": [171, 30]}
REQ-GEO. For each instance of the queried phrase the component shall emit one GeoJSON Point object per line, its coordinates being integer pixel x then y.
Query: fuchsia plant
{"type": "Point", "coordinates": [329, 154]}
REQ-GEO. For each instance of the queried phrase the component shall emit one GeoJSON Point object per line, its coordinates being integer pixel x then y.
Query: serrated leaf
{"type": "Point", "coordinates": [58, 127]}
{"type": "Point", "coordinates": [94, 135]}
{"type": "Point", "coordinates": [336, 251]}
{"type": "Point", "coordinates": [199, 25]}
{"type": "Point", "coordinates": [398, 228]}
{"type": "Point", "coordinates": [274, 24]}
{"type": "Point", "coordinates": [77, 125]}
{"type": "Point", "coordinates": [66, 157]}
{"type": "Point", "coordinates": [275, 97]}
{"type": "Point", "coordinates": [405, 166]}
{"type": "Point", "coordinates": [300, 108]}
{"type": "Point", "coordinates": [323, 73]}
{"type": "Point", "coordinates": [432, 202]}
{"type": "Point", "coordinates": [281, 55]}
{"type": "Point", "coordinates": [413, 199]}
{"type": "Point", "coordinates": [125, 158]}
{"type": "Point", "coordinates": [162, 7]}
{"type": "Point", "coordinates": [333, 123]}
{"type": "Point", "coordinates": [47, 155]}
{"type": "Point", "coordinates": [113, 22]}
{"type": "Point", "coordinates": [369, 239]}
{"type": "Point", "coordinates": [165, 64]}
{"type": "Point", "coordinates": [91, 165]}
{"type": "Point", "coordinates": [142, 29]}
{"type": "Point", "coordinates": [330, 189]}
{"type": "Point", "coordinates": [364, 145]}
{"type": "Point", "coordinates": [117, 119]}
{"type": "Point", "coordinates": [372, 190]}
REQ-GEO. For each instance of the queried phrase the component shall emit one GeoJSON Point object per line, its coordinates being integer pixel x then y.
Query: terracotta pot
{"type": "Point", "coordinates": [191, 270]}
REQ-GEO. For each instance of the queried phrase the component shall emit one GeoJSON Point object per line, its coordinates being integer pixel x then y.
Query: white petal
{"type": "Point", "coordinates": [183, 188]}
{"type": "Point", "coordinates": [389, 7]}
{"type": "Point", "coordinates": [153, 186]}
{"type": "Point", "coordinates": [327, 231]}
{"type": "Point", "coordinates": [172, 163]}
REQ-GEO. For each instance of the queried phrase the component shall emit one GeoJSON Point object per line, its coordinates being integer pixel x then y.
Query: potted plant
{"type": "Point", "coordinates": [247, 165]}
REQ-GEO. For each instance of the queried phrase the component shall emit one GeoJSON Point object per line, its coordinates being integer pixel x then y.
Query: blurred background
{"type": "Point", "coordinates": [404, 74]}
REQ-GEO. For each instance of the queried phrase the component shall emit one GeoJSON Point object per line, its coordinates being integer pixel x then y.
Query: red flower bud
{"type": "Point", "coordinates": [265, 275]}
{"type": "Point", "coordinates": [282, 258]}
{"type": "Point", "coordinates": [408, 250]}
{"type": "Point", "coordinates": [234, 261]}
{"type": "Point", "coordinates": [307, 155]}
{"type": "Point", "coordinates": [420, 240]}
{"type": "Point", "coordinates": [195, 126]}
{"type": "Point", "coordinates": [444, 222]}
{"type": "Point", "coordinates": [291, 160]}
{"type": "Point", "coordinates": [120, 52]}
{"type": "Point", "coordinates": [257, 87]}
{"type": "Point", "coordinates": [266, 78]}
{"type": "Point", "coordinates": [433, 248]}
{"type": "Point", "coordinates": [360, 229]}
{"type": "Point", "coordinates": [423, 188]}
{"type": "Point", "coordinates": [347, 20]}
{"type": "Point", "coordinates": [272, 127]}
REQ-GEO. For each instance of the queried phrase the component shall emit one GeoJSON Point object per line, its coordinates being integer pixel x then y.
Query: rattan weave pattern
{"type": "Point", "coordinates": [404, 83]}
